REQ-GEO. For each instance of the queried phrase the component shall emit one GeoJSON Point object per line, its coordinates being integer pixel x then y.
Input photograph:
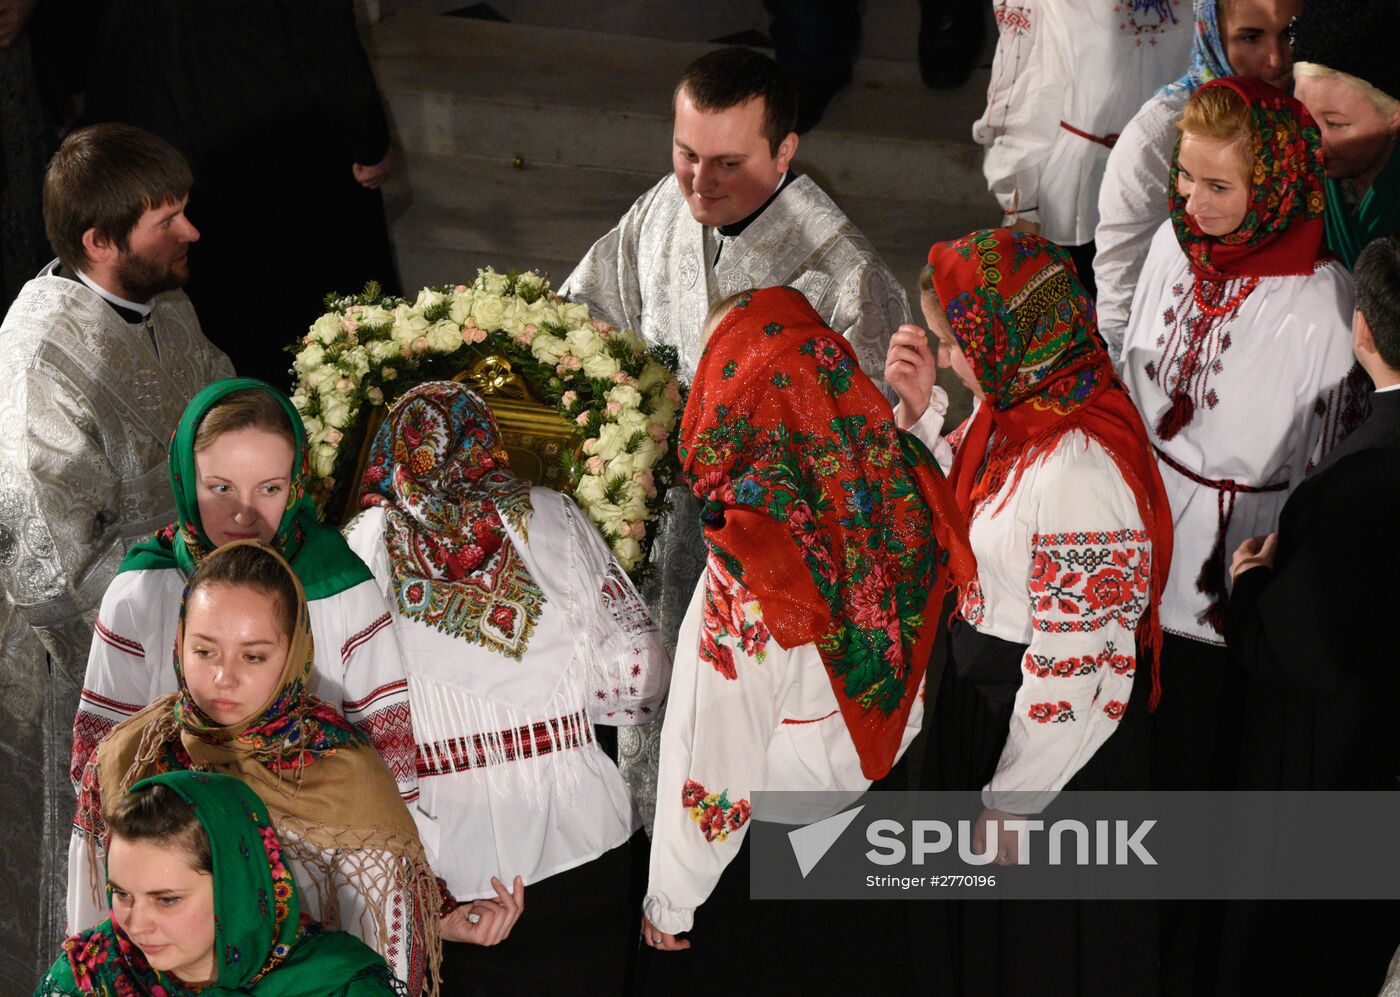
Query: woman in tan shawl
{"type": "Point", "coordinates": [243, 655]}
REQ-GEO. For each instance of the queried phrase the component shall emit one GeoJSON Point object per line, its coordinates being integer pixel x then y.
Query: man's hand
{"type": "Point", "coordinates": [910, 368]}
{"type": "Point", "coordinates": [662, 941]}
{"type": "Point", "coordinates": [1256, 552]}
{"type": "Point", "coordinates": [14, 15]}
{"type": "Point", "coordinates": [371, 177]}
{"type": "Point", "coordinates": [1022, 225]}
{"type": "Point", "coordinates": [486, 922]}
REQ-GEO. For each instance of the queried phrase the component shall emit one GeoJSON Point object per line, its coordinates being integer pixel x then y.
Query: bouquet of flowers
{"type": "Point", "coordinates": [367, 349]}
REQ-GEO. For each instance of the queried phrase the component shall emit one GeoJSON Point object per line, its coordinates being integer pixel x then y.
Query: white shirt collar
{"type": "Point", "coordinates": [1389, 387]}
{"type": "Point", "coordinates": [139, 309]}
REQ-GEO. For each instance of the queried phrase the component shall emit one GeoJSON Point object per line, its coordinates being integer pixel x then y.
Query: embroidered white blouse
{"type": "Point", "coordinates": [774, 724]}
{"type": "Point", "coordinates": [1086, 65]}
{"type": "Point", "coordinates": [512, 781]}
{"type": "Point", "coordinates": [359, 666]}
{"type": "Point", "coordinates": [1133, 204]}
{"type": "Point", "coordinates": [1271, 393]}
{"type": "Point", "coordinates": [1063, 566]}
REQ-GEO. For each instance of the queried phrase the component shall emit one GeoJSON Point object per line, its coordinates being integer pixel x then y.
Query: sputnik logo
{"type": "Point", "coordinates": [810, 843]}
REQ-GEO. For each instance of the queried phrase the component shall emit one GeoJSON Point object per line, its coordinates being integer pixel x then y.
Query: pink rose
{"type": "Point", "coordinates": [460, 289]}
{"type": "Point", "coordinates": [568, 399]}
{"type": "Point", "coordinates": [613, 408]}
{"type": "Point", "coordinates": [638, 529]}
{"type": "Point", "coordinates": [570, 362]}
{"type": "Point", "coordinates": [472, 334]}
{"type": "Point", "coordinates": [344, 385]}
{"type": "Point", "coordinates": [595, 465]}
{"type": "Point", "coordinates": [349, 324]}
{"type": "Point", "coordinates": [334, 436]}
{"type": "Point", "coordinates": [672, 391]}
{"type": "Point", "coordinates": [420, 345]}
{"type": "Point", "coordinates": [620, 377]}
{"type": "Point", "coordinates": [582, 420]}
{"type": "Point", "coordinates": [657, 431]}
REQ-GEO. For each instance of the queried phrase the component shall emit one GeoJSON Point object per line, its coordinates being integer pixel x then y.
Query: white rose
{"type": "Point", "coordinates": [489, 312]}
{"type": "Point", "coordinates": [628, 553]}
{"type": "Point", "coordinates": [541, 312]}
{"type": "Point", "coordinates": [490, 282]}
{"type": "Point", "coordinates": [654, 376]}
{"type": "Point", "coordinates": [461, 308]}
{"type": "Point", "coordinates": [626, 396]}
{"type": "Point", "coordinates": [584, 342]}
{"type": "Point", "coordinates": [548, 349]}
{"type": "Point", "coordinates": [380, 350]}
{"type": "Point", "coordinates": [327, 328]}
{"type": "Point", "coordinates": [621, 466]}
{"type": "Point", "coordinates": [321, 379]}
{"type": "Point", "coordinates": [589, 490]}
{"type": "Point", "coordinates": [309, 358]}
{"type": "Point", "coordinates": [600, 366]}
{"type": "Point", "coordinates": [646, 455]}
{"type": "Point", "coordinates": [428, 298]}
{"type": "Point", "coordinates": [335, 410]}
{"type": "Point", "coordinates": [612, 440]}
{"type": "Point", "coordinates": [355, 362]}
{"type": "Point", "coordinates": [634, 501]}
{"type": "Point", "coordinates": [633, 341]}
{"type": "Point", "coordinates": [632, 421]}
{"type": "Point", "coordinates": [313, 427]}
{"type": "Point", "coordinates": [573, 313]}
{"type": "Point", "coordinates": [375, 317]}
{"type": "Point", "coordinates": [530, 281]}
{"type": "Point", "coordinates": [444, 336]}
{"type": "Point", "coordinates": [322, 460]}
{"type": "Point", "coordinates": [663, 412]}
{"type": "Point", "coordinates": [408, 325]}
{"type": "Point", "coordinates": [299, 399]}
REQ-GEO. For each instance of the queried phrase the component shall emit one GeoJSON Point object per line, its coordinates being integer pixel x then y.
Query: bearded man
{"type": "Point", "coordinates": [99, 355]}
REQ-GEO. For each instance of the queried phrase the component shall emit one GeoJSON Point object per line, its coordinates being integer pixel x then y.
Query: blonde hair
{"type": "Point", "coordinates": [719, 311]}
{"type": "Point", "coordinates": [1221, 114]}
{"type": "Point", "coordinates": [1383, 102]}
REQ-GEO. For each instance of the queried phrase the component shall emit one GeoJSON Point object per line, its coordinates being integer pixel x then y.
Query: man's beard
{"type": "Point", "coordinates": [143, 278]}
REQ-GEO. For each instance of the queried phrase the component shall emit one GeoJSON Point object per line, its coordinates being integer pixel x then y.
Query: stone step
{"type": "Point", "coordinates": [567, 97]}
{"type": "Point", "coordinates": [450, 215]}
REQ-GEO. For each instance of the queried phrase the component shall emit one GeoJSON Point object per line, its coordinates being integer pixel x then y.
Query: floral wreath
{"type": "Point", "coordinates": [624, 398]}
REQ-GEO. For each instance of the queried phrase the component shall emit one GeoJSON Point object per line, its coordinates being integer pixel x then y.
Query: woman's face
{"type": "Point", "coordinates": [242, 481]}
{"type": "Point", "coordinates": [1211, 176]}
{"type": "Point", "coordinates": [1255, 33]}
{"type": "Point", "coordinates": [165, 905]}
{"type": "Point", "coordinates": [234, 651]}
{"type": "Point", "coordinates": [950, 354]}
{"type": "Point", "coordinates": [1356, 138]}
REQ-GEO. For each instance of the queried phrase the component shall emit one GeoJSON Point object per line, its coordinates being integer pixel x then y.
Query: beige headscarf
{"type": "Point", "coordinates": [333, 801]}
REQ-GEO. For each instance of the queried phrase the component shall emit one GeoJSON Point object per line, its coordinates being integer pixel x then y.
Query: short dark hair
{"type": "Point", "coordinates": [106, 177]}
{"type": "Point", "coordinates": [158, 813]}
{"type": "Point", "coordinates": [729, 77]}
{"type": "Point", "coordinates": [252, 566]}
{"type": "Point", "coordinates": [1378, 295]}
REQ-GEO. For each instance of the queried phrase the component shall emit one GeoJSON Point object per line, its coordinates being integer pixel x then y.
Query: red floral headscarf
{"type": "Point", "coordinates": [837, 522]}
{"type": "Point", "coordinates": [1026, 326]}
{"type": "Point", "coordinates": [1283, 230]}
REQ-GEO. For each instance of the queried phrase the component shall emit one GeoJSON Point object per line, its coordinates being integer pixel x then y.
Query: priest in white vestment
{"type": "Point", "coordinates": [99, 354]}
{"type": "Point", "coordinates": [732, 216]}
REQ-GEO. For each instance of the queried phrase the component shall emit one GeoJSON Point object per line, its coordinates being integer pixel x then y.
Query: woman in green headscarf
{"type": "Point", "coordinates": [1348, 77]}
{"type": "Point", "coordinates": [203, 903]}
{"type": "Point", "coordinates": [238, 469]}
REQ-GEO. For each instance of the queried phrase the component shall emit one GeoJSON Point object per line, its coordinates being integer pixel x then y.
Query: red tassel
{"type": "Point", "coordinates": [1176, 418]}
{"type": "Point", "coordinates": [1211, 582]}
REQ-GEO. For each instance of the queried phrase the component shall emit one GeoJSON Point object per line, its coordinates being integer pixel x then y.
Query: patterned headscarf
{"type": "Point", "coordinates": [840, 525]}
{"type": "Point", "coordinates": [322, 559]}
{"type": "Point", "coordinates": [1026, 325]}
{"type": "Point", "coordinates": [1208, 58]}
{"type": "Point", "coordinates": [1282, 232]}
{"type": "Point", "coordinates": [262, 947]}
{"type": "Point", "coordinates": [296, 752]}
{"type": "Point", "coordinates": [440, 470]}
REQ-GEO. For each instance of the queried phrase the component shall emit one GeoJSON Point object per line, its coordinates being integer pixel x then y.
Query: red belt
{"type": "Point", "coordinates": [1211, 580]}
{"type": "Point", "coordinates": [542, 738]}
{"type": "Point", "coordinates": [1107, 141]}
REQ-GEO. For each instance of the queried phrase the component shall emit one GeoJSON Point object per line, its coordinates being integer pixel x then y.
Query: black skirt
{"type": "Point", "coordinates": [1009, 948]}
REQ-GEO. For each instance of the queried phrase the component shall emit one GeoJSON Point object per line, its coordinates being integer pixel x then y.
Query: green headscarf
{"type": "Point", "coordinates": [318, 554]}
{"type": "Point", "coordinates": [261, 946]}
{"type": "Point", "coordinates": [1378, 213]}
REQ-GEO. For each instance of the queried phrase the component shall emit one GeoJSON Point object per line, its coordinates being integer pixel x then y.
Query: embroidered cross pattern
{"type": "Point", "coordinates": [1079, 582]}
